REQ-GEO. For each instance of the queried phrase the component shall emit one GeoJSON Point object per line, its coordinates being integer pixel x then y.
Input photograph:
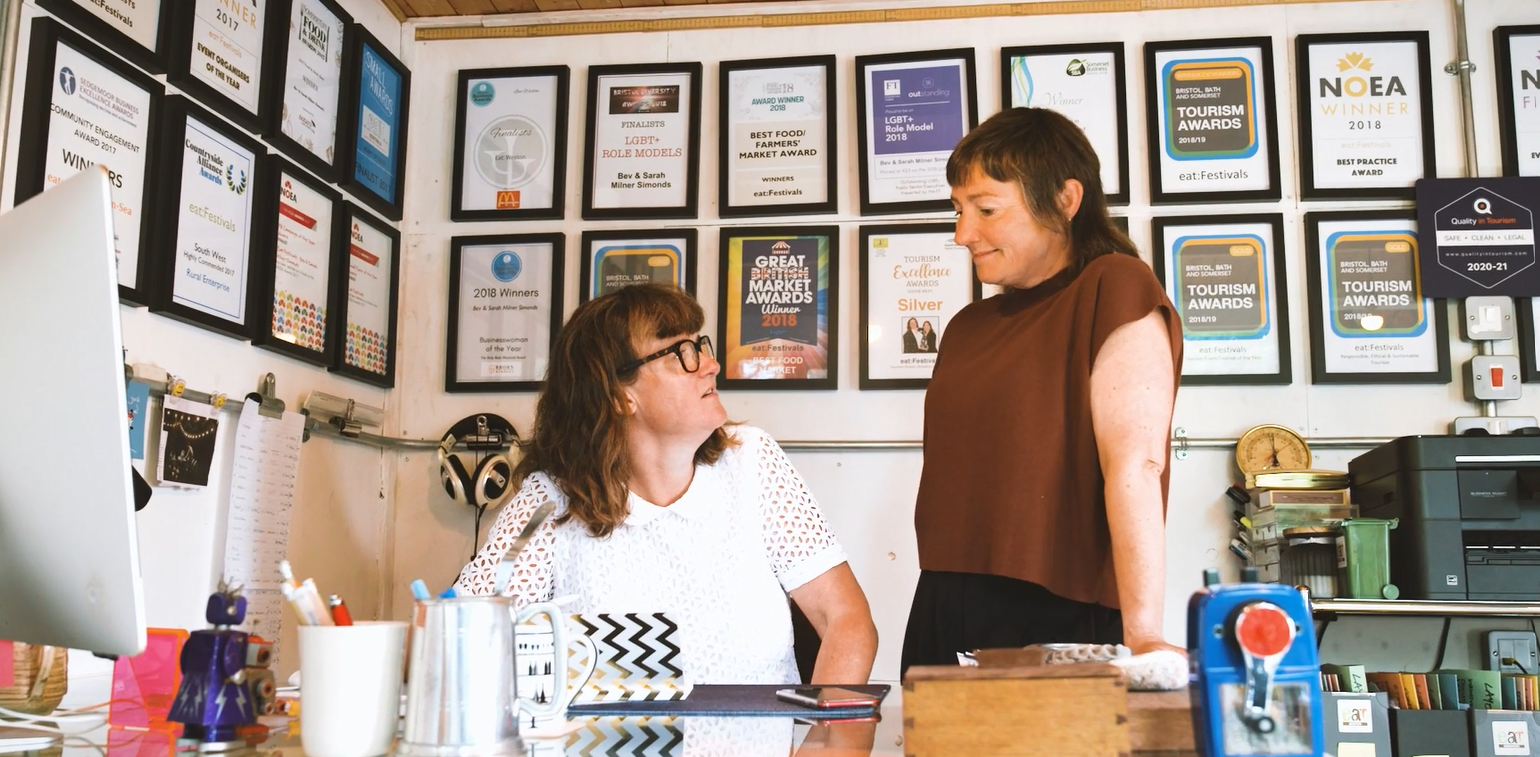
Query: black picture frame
{"type": "Point", "coordinates": [563, 75]}
{"type": "Point", "coordinates": [74, 13]}
{"type": "Point", "coordinates": [1159, 194]}
{"type": "Point", "coordinates": [868, 206]}
{"type": "Point", "coordinates": [359, 45]}
{"type": "Point", "coordinates": [1279, 272]}
{"type": "Point", "coordinates": [586, 264]}
{"type": "Point", "coordinates": [1305, 83]}
{"type": "Point", "coordinates": [351, 213]}
{"type": "Point", "coordinates": [1506, 110]}
{"type": "Point", "coordinates": [725, 71]}
{"type": "Point", "coordinates": [1120, 85]}
{"type": "Point", "coordinates": [265, 261]}
{"type": "Point", "coordinates": [180, 62]}
{"type": "Point", "coordinates": [725, 346]}
{"type": "Point", "coordinates": [175, 114]}
{"type": "Point", "coordinates": [692, 148]}
{"type": "Point", "coordinates": [275, 83]}
{"type": "Point", "coordinates": [1529, 340]}
{"type": "Point", "coordinates": [31, 160]}
{"type": "Point", "coordinates": [1318, 372]}
{"type": "Point", "coordinates": [452, 382]}
{"type": "Point", "coordinates": [864, 236]}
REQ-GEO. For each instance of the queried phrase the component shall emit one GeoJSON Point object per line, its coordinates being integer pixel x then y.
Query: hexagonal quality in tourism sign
{"type": "Point", "coordinates": [1478, 236]}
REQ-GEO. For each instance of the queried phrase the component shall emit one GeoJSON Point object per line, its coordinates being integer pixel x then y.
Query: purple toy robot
{"type": "Point", "coordinates": [214, 698]}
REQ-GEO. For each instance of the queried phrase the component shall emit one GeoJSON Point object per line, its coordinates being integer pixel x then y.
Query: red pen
{"type": "Point", "coordinates": [340, 614]}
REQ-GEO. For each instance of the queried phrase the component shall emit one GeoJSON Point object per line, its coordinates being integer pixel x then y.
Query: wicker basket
{"type": "Point", "coordinates": [42, 676]}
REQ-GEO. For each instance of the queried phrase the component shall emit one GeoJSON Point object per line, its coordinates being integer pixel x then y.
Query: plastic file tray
{"type": "Point", "coordinates": [730, 700]}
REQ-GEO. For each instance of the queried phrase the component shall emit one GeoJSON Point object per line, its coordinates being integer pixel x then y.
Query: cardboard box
{"type": "Point", "coordinates": [1503, 733]}
{"type": "Point", "coordinates": [1424, 733]}
{"type": "Point", "coordinates": [1357, 719]}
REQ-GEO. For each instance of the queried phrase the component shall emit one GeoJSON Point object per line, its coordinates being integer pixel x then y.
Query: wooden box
{"type": "Point", "coordinates": [1060, 710]}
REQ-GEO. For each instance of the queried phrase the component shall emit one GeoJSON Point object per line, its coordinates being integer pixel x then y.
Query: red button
{"type": "Point", "coordinates": [1497, 377]}
{"type": "Point", "coordinates": [1264, 630]}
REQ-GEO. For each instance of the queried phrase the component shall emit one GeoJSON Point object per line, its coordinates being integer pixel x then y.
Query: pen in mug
{"type": "Point", "coordinates": [340, 614]}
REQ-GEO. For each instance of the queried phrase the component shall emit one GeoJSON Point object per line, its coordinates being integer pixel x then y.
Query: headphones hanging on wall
{"type": "Point", "coordinates": [489, 481]}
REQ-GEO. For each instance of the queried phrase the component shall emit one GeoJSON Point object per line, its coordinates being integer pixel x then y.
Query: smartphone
{"type": "Point", "coordinates": [826, 697]}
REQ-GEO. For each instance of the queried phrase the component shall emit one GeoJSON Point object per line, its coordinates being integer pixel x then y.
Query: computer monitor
{"type": "Point", "coordinates": [69, 552]}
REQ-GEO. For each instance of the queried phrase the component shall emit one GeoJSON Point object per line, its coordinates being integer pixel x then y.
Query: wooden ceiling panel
{"type": "Point", "coordinates": [515, 6]}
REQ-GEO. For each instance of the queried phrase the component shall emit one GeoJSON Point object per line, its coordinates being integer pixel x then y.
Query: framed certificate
{"type": "Point", "coordinates": [84, 107]}
{"type": "Point", "coordinates": [777, 143]}
{"type": "Point", "coordinates": [1226, 276]}
{"type": "Point", "coordinates": [218, 56]}
{"type": "Point", "coordinates": [510, 144]}
{"type": "Point", "coordinates": [914, 278]}
{"type": "Point", "coordinates": [374, 120]}
{"type": "Point", "coordinates": [295, 268]}
{"type": "Point", "coordinates": [138, 30]}
{"type": "Point", "coordinates": [1369, 322]}
{"type": "Point", "coordinates": [302, 97]}
{"type": "Point", "coordinates": [1365, 116]}
{"type": "Point", "coordinates": [1529, 338]}
{"type": "Point", "coordinates": [778, 301]}
{"type": "Point", "coordinates": [1213, 135]}
{"type": "Point", "coordinates": [614, 259]}
{"type": "Point", "coordinates": [1518, 97]}
{"type": "Point", "coordinates": [365, 301]}
{"type": "Point", "coordinates": [912, 109]}
{"type": "Point", "coordinates": [504, 306]}
{"type": "Point", "coordinates": [1086, 84]}
{"type": "Point", "coordinates": [207, 227]}
{"type": "Point", "coordinates": [643, 136]}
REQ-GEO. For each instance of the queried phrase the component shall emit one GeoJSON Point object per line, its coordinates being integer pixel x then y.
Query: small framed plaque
{"type": "Point", "coordinates": [510, 144]}
{"type": "Point", "coordinates": [1086, 84]}
{"type": "Point", "coordinates": [912, 109]}
{"type": "Point", "coordinates": [778, 305]}
{"type": "Point", "coordinates": [1213, 134]}
{"type": "Point", "coordinates": [374, 121]}
{"type": "Point", "coordinates": [1226, 276]}
{"type": "Point", "coordinates": [219, 56]}
{"type": "Point", "coordinates": [643, 141]}
{"type": "Point", "coordinates": [1369, 321]}
{"type": "Point", "coordinates": [72, 84]}
{"type": "Point", "coordinates": [1518, 97]}
{"type": "Point", "coordinates": [295, 269]}
{"type": "Point", "coordinates": [207, 228]}
{"type": "Point", "coordinates": [914, 278]}
{"type": "Point", "coordinates": [138, 30]}
{"type": "Point", "coordinates": [613, 259]}
{"type": "Point", "coordinates": [303, 95]}
{"type": "Point", "coordinates": [777, 140]}
{"type": "Point", "coordinates": [365, 302]}
{"type": "Point", "coordinates": [504, 306]}
{"type": "Point", "coordinates": [1529, 338]}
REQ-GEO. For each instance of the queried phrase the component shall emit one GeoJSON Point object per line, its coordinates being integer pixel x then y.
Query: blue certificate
{"type": "Point", "coordinates": [377, 147]}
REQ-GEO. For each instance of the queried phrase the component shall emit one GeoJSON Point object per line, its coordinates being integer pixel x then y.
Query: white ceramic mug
{"type": "Point", "coordinates": [539, 668]}
{"type": "Point", "coordinates": [350, 687]}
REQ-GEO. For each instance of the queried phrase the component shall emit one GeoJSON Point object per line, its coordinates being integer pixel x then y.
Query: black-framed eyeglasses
{"type": "Point", "coordinates": [688, 351]}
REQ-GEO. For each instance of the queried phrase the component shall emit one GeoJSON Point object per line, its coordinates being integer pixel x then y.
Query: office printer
{"type": "Point", "coordinates": [1469, 509]}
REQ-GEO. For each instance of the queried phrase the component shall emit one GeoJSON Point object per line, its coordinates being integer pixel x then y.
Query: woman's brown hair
{"type": "Point", "coordinates": [579, 439]}
{"type": "Point", "coordinates": [1038, 150]}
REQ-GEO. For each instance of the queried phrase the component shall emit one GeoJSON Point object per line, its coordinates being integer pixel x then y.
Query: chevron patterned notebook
{"type": "Point", "coordinates": [639, 658]}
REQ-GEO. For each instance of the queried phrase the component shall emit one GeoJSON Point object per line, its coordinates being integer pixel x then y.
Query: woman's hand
{"type": "Point", "coordinates": [1145, 646]}
{"type": "Point", "coordinates": [836, 606]}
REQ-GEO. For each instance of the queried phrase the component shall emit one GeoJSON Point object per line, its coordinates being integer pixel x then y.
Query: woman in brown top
{"type": "Point", "coordinates": [1041, 510]}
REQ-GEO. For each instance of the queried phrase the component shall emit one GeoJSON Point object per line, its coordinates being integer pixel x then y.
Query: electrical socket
{"type": "Point", "coordinates": [1518, 646]}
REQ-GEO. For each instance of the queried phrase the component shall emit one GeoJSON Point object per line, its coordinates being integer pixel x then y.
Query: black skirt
{"type": "Point", "coordinates": [961, 612]}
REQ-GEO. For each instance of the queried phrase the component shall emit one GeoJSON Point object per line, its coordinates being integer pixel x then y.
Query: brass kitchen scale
{"type": "Point", "coordinates": [1277, 457]}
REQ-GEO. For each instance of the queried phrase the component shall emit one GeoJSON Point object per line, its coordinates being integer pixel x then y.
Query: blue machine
{"type": "Point", "coordinates": [1256, 678]}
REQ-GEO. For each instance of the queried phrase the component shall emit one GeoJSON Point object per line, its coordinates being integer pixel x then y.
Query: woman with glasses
{"type": "Point", "coordinates": [664, 506]}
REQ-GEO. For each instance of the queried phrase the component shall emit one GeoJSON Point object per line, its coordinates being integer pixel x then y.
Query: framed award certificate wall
{"type": "Point", "coordinates": [778, 305]}
{"type": "Point", "coordinates": [218, 56]}
{"type": "Point", "coordinates": [510, 144]}
{"type": "Point", "coordinates": [1086, 84]}
{"type": "Point", "coordinates": [138, 30]}
{"type": "Point", "coordinates": [614, 259]}
{"type": "Point", "coordinates": [207, 227]}
{"type": "Point", "coordinates": [364, 304]}
{"type": "Point", "coordinates": [296, 265]}
{"type": "Point", "coordinates": [373, 121]}
{"type": "Point", "coordinates": [84, 107]}
{"type": "Point", "coordinates": [912, 109]}
{"type": "Point", "coordinates": [504, 306]}
{"type": "Point", "coordinates": [1365, 115]}
{"type": "Point", "coordinates": [1529, 338]}
{"type": "Point", "coordinates": [1369, 321]}
{"type": "Point", "coordinates": [302, 96]}
{"type": "Point", "coordinates": [914, 278]}
{"type": "Point", "coordinates": [777, 144]}
{"type": "Point", "coordinates": [642, 158]}
{"type": "Point", "coordinates": [1225, 274]}
{"type": "Point", "coordinates": [1213, 134]}
{"type": "Point", "coordinates": [1518, 97]}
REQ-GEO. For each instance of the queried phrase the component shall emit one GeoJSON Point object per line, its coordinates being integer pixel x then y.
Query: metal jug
{"type": "Point", "coordinates": [461, 694]}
